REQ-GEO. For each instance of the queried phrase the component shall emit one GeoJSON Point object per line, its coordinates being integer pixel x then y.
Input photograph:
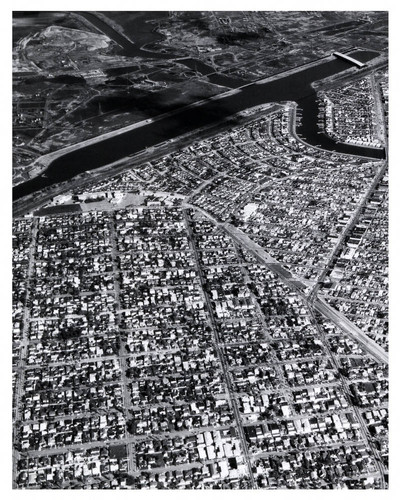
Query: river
{"type": "Point", "coordinates": [143, 33]}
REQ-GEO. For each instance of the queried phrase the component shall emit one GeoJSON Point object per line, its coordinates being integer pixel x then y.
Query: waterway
{"type": "Point", "coordinates": [142, 33]}
{"type": "Point", "coordinates": [294, 87]}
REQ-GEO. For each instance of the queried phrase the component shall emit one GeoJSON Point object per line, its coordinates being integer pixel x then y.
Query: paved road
{"type": "Point", "coordinates": [223, 362]}
{"type": "Point", "coordinates": [23, 206]}
{"type": "Point", "coordinates": [282, 383]}
{"type": "Point", "coordinates": [20, 368]}
{"type": "Point", "coordinates": [379, 109]}
{"type": "Point", "coordinates": [126, 398]}
{"type": "Point", "coordinates": [128, 439]}
{"type": "Point", "coordinates": [345, 387]}
{"type": "Point", "coordinates": [352, 330]}
{"type": "Point", "coordinates": [266, 259]}
{"type": "Point", "coordinates": [303, 288]}
{"type": "Point", "coordinates": [320, 305]}
{"type": "Point", "coordinates": [349, 226]}
{"type": "Point", "coordinates": [19, 388]}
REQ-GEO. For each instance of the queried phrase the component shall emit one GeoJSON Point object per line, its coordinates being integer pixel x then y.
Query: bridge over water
{"type": "Point", "coordinates": [173, 121]}
{"type": "Point", "coordinates": [349, 58]}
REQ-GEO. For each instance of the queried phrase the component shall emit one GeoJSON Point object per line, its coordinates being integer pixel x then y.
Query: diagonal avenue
{"type": "Point", "coordinates": [302, 287]}
{"type": "Point", "coordinates": [223, 362]}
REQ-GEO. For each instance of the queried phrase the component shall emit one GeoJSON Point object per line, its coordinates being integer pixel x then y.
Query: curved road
{"type": "Point", "coordinates": [290, 86]}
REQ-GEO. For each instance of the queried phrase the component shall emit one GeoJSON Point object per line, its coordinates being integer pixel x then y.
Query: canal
{"type": "Point", "coordinates": [293, 87]}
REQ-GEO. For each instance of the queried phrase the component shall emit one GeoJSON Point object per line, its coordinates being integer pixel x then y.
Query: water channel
{"type": "Point", "coordinates": [293, 87]}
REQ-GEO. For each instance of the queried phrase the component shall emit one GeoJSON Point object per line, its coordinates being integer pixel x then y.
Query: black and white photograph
{"type": "Point", "coordinates": [200, 263]}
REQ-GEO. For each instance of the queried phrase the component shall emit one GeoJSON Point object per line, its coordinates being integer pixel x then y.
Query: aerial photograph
{"type": "Point", "coordinates": [199, 250]}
